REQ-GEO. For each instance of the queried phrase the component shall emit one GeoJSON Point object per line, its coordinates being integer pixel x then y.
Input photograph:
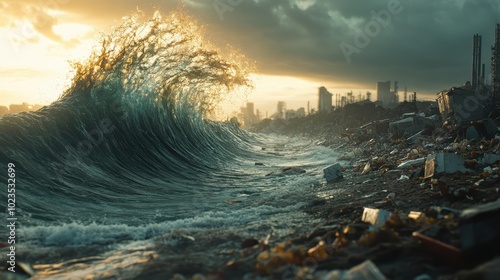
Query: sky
{"type": "Point", "coordinates": [298, 45]}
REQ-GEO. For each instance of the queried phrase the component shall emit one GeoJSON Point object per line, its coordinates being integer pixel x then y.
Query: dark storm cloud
{"type": "Point", "coordinates": [427, 45]}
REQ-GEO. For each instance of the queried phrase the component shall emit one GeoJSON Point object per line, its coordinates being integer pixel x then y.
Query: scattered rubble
{"type": "Point", "coordinates": [422, 200]}
{"type": "Point", "coordinates": [333, 173]}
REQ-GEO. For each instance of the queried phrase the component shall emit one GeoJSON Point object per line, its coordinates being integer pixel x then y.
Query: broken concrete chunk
{"type": "Point", "coordinates": [480, 228]}
{"type": "Point", "coordinates": [444, 163]}
{"type": "Point", "coordinates": [489, 159]}
{"type": "Point", "coordinates": [376, 217]}
{"type": "Point", "coordinates": [333, 172]}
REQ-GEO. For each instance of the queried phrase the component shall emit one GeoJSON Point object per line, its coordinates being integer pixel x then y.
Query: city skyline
{"type": "Point", "coordinates": [18, 108]}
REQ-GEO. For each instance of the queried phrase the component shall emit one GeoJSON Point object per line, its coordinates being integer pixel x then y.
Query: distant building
{"type": "Point", "coordinates": [248, 115]}
{"type": "Point", "coordinates": [495, 66]}
{"type": "Point", "coordinates": [301, 112]}
{"type": "Point", "coordinates": [387, 98]}
{"type": "Point", "coordinates": [258, 115]}
{"type": "Point", "coordinates": [3, 110]}
{"type": "Point", "coordinates": [281, 110]}
{"type": "Point", "coordinates": [384, 93]}
{"type": "Point", "coordinates": [292, 114]}
{"type": "Point", "coordinates": [18, 108]}
{"type": "Point", "coordinates": [324, 100]}
{"type": "Point", "coordinates": [24, 107]}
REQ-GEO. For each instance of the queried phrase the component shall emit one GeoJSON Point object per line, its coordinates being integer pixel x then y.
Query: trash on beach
{"type": "Point", "coordinates": [415, 138]}
{"type": "Point", "coordinates": [413, 162]}
{"type": "Point", "coordinates": [390, 197]}
{"type": "Point", "coordinates": [369, 238]}
{"type": "Point", "coordinates": [478, 129]}
{"type": "Point", "coordinates": [418, 217]}
{"type": "Point", "coordinates": [479, 183]}
{"type": "Point", "coordinates": [480, 228]}
{"type": "Point", "coordinates": [376, 217]}
{"type": "Point", "coordinates": [366, 169]}
{"type": "Point", "coordinates": [443, 250]}
{"type": "Point", "coordinates": [340, 240]}
{"type": "Point", "coordinates": [319, 252]}
{"type": "Point", "coordinates": [279, 256]}
{"type": "Point", "coordinates": [488, 159]}
{"type": "Point", "coordinates": [462, 237]}
{"type": "Point", "coordinates": [352, 154]}
{"type": "Point", "coordinates": [444, 163]}
{"type": "Point", "coordinates": [333, 173]}
{"type": "Point", "coordinates": [488, 170]}
{"type": "Point", "coordinates": [366, 270]}
{"type": "Point", "coordinates": [404, 177]}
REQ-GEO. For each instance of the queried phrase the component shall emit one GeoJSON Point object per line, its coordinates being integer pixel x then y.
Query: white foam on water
{"type": "Point", "coordinates": [264, 204]}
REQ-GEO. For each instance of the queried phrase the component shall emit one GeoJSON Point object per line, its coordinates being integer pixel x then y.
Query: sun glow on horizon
{"type": "Point", "coordinates": [36, 69]}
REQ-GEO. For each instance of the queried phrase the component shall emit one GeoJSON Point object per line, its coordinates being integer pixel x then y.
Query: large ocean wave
{"type": "Point", "coordinates": [130, 134]}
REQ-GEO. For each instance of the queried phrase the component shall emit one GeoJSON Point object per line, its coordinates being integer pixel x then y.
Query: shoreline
{"type": "Point", "coordinates": [412, 193]}
{"type": "Point", "coordinates": [339, 242]}
{"type": "Point", "coordinates": [337, 239]}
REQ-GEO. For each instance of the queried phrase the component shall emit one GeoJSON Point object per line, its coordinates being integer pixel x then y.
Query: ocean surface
{"type": "Point", "coordinates": [127, 156]}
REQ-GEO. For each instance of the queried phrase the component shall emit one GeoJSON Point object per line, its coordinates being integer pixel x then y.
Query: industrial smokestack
{"type": "Point", "coordinates": [495, 66]}
{"type": "Point", "coordinates": [476, 61]}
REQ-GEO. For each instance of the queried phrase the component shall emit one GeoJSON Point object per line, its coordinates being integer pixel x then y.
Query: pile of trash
{"type": "Point", "coordinates": [450, 237]}
{"type": "Point", "coordinates": [386, 237]}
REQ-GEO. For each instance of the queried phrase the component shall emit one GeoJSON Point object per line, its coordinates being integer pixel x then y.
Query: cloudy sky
{"type": "Point", "coordinates": [298, 45]}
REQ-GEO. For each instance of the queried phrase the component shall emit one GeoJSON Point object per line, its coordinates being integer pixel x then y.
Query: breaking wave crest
{"type": "Point", "coordinates": [131, 133]}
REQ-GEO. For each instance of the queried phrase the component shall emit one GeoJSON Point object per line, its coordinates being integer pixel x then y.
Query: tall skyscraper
{"type": "Point", "coordinates": [281, 110]}
{"type": "Point", "coordinates": [324, 100]}
{"type": "Point", "coordinates": [248, 115]}
{"type": "Point", "coordinates": [384, 93]}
